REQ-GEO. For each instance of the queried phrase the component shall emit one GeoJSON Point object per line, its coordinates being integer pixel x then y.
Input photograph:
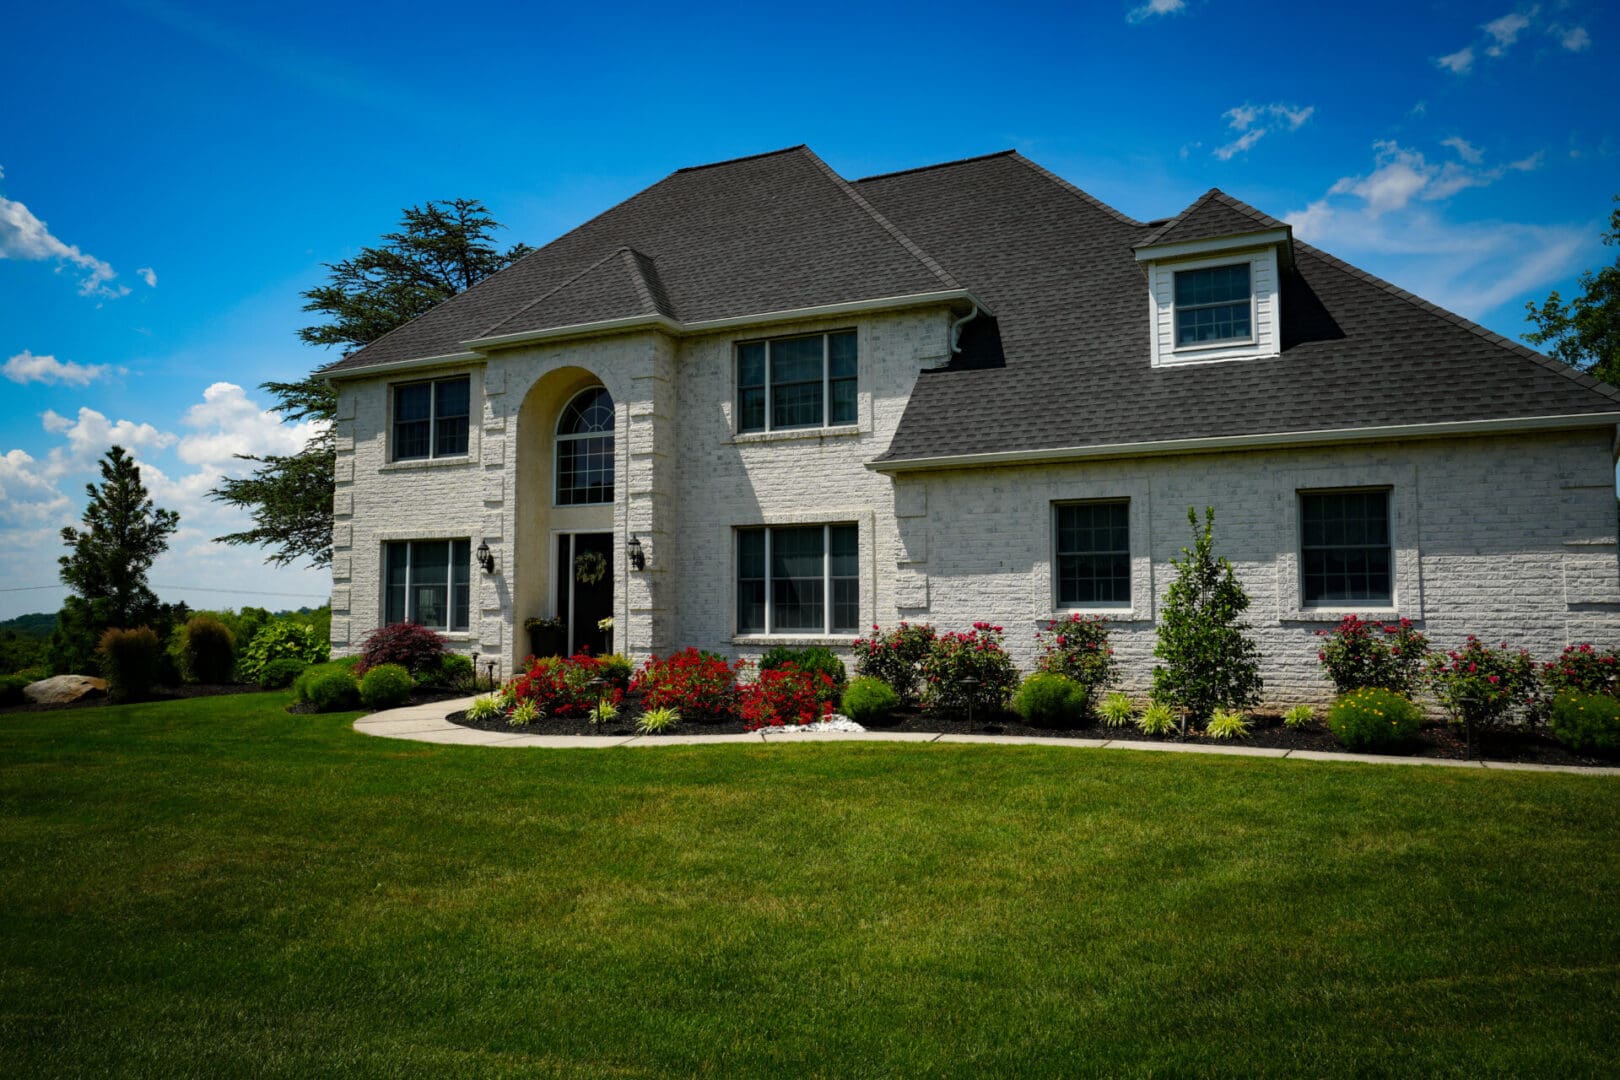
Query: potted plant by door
{"type": "Point", "coordinates": [547, 637]}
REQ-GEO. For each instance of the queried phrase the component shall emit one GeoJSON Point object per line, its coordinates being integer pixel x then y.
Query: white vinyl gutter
{"type": "Point", "coordinates": [1161, 447]}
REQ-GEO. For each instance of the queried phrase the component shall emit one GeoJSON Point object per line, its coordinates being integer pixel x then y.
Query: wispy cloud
{"type": "Point", "coordinates": [1504, 31]}
{"type": "Point", "coordinates": [25, 368]}
{"type": "Point", "coordinates": [1460, 62]}
{"type": "Point", "coordinates": [1573, 38]}
{"type": "Point", "coordinates": [1254, 122]}
{"type": "Point", "coordinates": [1465, 149]}
{"type": "Point", "coordinates": [25, 237]}
{"type": "Point", "coordinates": [1501, 34]}
{"type": "Point", "coordinates": [1155, 8]}
{"type": "Point", "coordinates": [148, 275]}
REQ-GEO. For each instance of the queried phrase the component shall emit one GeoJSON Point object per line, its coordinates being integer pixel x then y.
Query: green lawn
{"type": "Point", "coordinates": [216, 888]}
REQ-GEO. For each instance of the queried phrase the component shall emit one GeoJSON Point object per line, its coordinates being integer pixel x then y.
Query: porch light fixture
{"type": "Point", "coordinates": [632, 548]}
{"type": "Point", "coordinates": [484, 558]}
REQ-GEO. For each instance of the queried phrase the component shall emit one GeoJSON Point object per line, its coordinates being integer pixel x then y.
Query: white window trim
{"type": "Point", "coordinates": [431, 457]}
{"type": "Point", "coordinates": [1406, 577]}
{"type": "Point", "coordinates": [826, 425]}
{"type": "Point", "coordinates": [450, 581]}
{"type": "Point", "coordinates": [1265, 331]}
{"type": "Point", "coordinates": [1223, 343]}
{"type": "Point", "coordinates": [1299, 543]}
{"type": "Point", "coordinates": [1118, 606]}
{"type": "Point", "coordinates": [864, 523]}
{"type": "Point", "coordinates": [556, 451]}
{"type": "Point", "coordinates": [1131, 490]}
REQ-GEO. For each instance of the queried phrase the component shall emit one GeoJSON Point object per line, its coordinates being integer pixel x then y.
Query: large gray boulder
{"type": "Point", "coordinates": [64, 689]}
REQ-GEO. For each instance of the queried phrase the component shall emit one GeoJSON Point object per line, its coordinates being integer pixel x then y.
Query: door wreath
{"type": "Point", "coordinates": [590, 567]}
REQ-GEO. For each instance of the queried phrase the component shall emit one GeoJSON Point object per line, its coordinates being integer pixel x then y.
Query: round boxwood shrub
{"type": "Point", "coordinates": [1048, 700]}
{"type": "Point", "coordinates": [208, 650]}
{"type": "Point", "coordinates": [1374, 719]}
{"type": "Point", "coordinates": [281, 673]}
{"type": "Point", "coordinates": [1586, 722]}
{"type": "Point", "coordinates": [869, 701]}
{"type": "Point", "coordinates": [328, 687]}
{"type": "Point", "coordinates": [385, 686]}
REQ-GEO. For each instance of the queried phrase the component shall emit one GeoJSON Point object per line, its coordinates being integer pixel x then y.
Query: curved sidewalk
{"type": "Point", "coordinates": [427, 723]}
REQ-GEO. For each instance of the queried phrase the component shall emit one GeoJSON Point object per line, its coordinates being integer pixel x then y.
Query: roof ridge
{"type": "Point", "coordinates": [1083, 196]}
{"type": "Point", "coordinates": [1575, 375]}
{"type": "Point", "coordinates": [736, 160]}
{"type": "Point", "coordinates": [1216, 195]}
{"type": "Point", "coordinates": [1186, 212]}
{"type": "Point", "coordinates": [1260, 216]}
{"type": "Point", "coordinates": [936, 165]}
{"type": "Point", "coordinates": [893, 230]}
{"type": "Point", "coordinates": [490, 331]}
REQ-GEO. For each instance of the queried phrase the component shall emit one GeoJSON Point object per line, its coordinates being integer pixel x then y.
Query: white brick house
{"type": "Point", "coordinates": [967, 392]}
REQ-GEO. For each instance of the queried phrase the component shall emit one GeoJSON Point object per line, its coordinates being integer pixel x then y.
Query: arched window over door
{"type": "Point", "coordinates": [585, 449]}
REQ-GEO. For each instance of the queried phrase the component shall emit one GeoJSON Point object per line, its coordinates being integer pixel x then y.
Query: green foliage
{"type": "Point", "coordinates": [813, 659]}
{"type": "Point", "coordinates": [1482, 685]}
{"type": "Point", "coordinates": [19, 650]}
{"type": "Point", "coordinates": [1209, 661]}
{"type": "Point", "coordinates": [868, 701]}
{"type": "Point", "coordinates": [604, 711]}
{"type": "Point", "coordinates": [485, 707]}
{"type": "Point", "coordinates": [1299, 716]}
{"type": "Point", "coordinates": [122, 534]}
{"type": "Point", "coordinates": [967, 672]}
{"type": "Point", "coordinates": [11, 689]}
{"type": "Point", "coordinates": [1157, 719]}
{"type": "Point", "coordinates": [1358, 653]}
{"type": "Point", "coordinates": [615, 669]}
{"type": "Point", "coordinates": [1586, 722]}
{"type": "Point", "coordinates": [386, 686]}
{"type": "Point", "coordinates": [1585, 333]}
{"type": "Point", "coordinates": [285, 638]}
{"type": "Point", "coordinates": [328, 687]}
{"type": "Point", "coordinates": [1227, 724]}
{"type": "Point", "coordinates": [523, 713]}
{"type": "Point", "coordinates": [1582, 669]}
{"type": "Point", "coordinates": [1049, 700]}
{"type": "Point", "coordinates": [1374, 719]}
{"type": "Point", "coordinates": [207, 650]}
{"type": "Point", "coordinates": [896, 657]}
{"type": "Point", "coordinates": [455, 670]}
{"type": "Point", "coordinates": [1078, 647]}
{"type": "Point", "coordinates": [281, 672]}
{"type": "Point", "coordinates": [657, 721]}
{"type": "Point", "coordinates": [129, 662]}
{"type": "Point", "coordinates": [1117, 710]}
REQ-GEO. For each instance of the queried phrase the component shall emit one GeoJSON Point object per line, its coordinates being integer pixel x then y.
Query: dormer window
{"type": "Point", "coordinates": [1214, 306]}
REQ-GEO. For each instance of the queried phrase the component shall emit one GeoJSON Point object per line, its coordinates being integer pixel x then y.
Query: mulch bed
{"type": "Point", "coordinates": [1435, 741]}
{"type": "Point", "coordinates": [162, 693]}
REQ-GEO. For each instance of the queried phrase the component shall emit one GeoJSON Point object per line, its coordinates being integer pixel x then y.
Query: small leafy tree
{"type": "Point", "coordinates": [1585, 332]}
{"type": "Point", "coordinates": [1209, 661]}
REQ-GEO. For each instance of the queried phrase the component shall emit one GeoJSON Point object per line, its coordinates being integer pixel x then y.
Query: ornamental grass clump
{"type": "Point", "coordinates": [968, 672]}
{"type": "Point", "coordinates": [1156, 719]}
{"type": "Point", "coordinates": [1049, 700]}
{"type": "Point", "coordinates": [1116, 710]}
{"type": "Point", "coordinates": [1481, 686]}
{"type": "Point", "coordinates": [1586, 723]}
{"type": "Point", "coordinates": [523, 714]}
{"type": "Point", "coordinates": [129, 662]}
{"type": "Point", "coordinates": [896, 657]}
{"type": "Point", "coordinates": [1227, 724]}
{"type": "Point", "coordinates": [1299, 716]}
{"type": "Point", "coordinates": [1078, 648]}
{"type": "Point", "coordinates": [658, 721]}
{"type": "Point", "coordinates": [1358, 654]}
{"type": "Point", "coordinates": [484, 708]}
{"type": "Point", "coordinates": [207, 650]}
{"type": "Point", "coordinates": [1374, 719]}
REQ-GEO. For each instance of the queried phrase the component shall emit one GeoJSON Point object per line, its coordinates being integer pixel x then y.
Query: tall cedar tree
{"type": "Point", "coordinates": [123, 533]}
{"type": "Point", "coordinates": [1209, 661]}
{"type": "Point", "coordinates": [1585, 332]}
{"type": "Point", "coordinates": [441, 249]}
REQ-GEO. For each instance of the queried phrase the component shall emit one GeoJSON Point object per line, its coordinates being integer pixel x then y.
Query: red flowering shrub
{"type": "Point", "coordinates": [1077, 647]}
{"type": "Point", "coordinates": [1481, 685]}
{"type": "Point", "coordinates": [968, 669]}
{"type": "Point", "coordinates": [1583, 670]}
{"type": "Point", "coordinates": [1359, 655]}
{"type": "Point", "coordinates": [563, 686]}
{"type": "Point", "coordinates": [701, 685]}
{"type": "Point", "coordinates": [786, 695]}
{"type": "Point", "coordinates": [895, 657]}
{"type": "Point", "coordinates": [410, 645]}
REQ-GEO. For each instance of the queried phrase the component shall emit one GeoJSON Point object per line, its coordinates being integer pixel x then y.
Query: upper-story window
{"type": "Point", "coordinates": [1345, 556]}
{"type": "Point", "coordinates": [1214, 306]}
{"type": "Point", "coordinates": [430, 418]}
{"type": "Point", "coordinates": [585, 449]}
{"type": "Point", "coordinates": [797, 382]}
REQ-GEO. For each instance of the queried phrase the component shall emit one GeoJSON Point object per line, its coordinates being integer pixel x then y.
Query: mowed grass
{"type": "Point", "coordinates": [216, 888]}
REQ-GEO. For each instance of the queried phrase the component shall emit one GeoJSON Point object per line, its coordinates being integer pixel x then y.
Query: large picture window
{"type": "Point", "coordinates": [1093, 553]}
{"type": "Point", "coordinates": [585, 449]}
{"type": "Point", "coordinates": [797, 382]}
{"type": "Point", "coordinates": [798, 580]}
{"type": "Point", "coordinates": [1344, 552]}
{"type": "Point", "coordinates": [430, 418]}
{"type": "Point", "coordinates": [428, 582]}
{"type": "Point", "coordinates": [1213, 306]}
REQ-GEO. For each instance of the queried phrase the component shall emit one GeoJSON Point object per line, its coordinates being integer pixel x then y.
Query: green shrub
{"type": "Point", "coordinates": [11, 689]}
{"type": "Point", "coordinates": [333, 691]}
{"type": "Point", "coordinates": [1482, 685]}
{"type": "Point", "coordinates": [1117, 710]}
{"type": "Point", "coordinates": [129, 662]}
{"type": "Point", "coordinates": [1374, 719]}
{"type": "Point", "coordinates": [1078, 647]}
{"type": "Point", "coordinates": [1227, 724]}
{"type": "Point", "coordinates": [895, 657]}
{"type": "Point", "coordinates": [615, 669]}
{"type": "Point", "coordinates": [1157, 719]}
{"type": "Point", "coordinates": [304, 686]}
{"type": "Point", "coordinates": [814, 659]}
{"type": "Point", "coordinates": [868, 701]}
{"type": "Point", "coordinates": [1358, 654]}
{"type": "Point", "coordinates": [1586, 722]}
{"type": "Point", "coordinates": [281, 639]}
{"type": "Point", "coordinates": [386, 686]}
{"type": "Point", "coordinates": [1209, 660]}
{"type": "Point", "coordinates": [1050, 701]}
{"type": "Point", "coordinates": [524, 712]}
{"type": "Point", "coordinates": [207, 650]}
{"type": "Point", "coordinates": [967, 672]}
{"type": "Point", "coordinates": [485, 707]}
{"type": "Point", "coordinates": [657, 721]}
{"type": "Point", "coordinates": [279, 674]}
{"type": "Point", "coordinates": [1299, 716]}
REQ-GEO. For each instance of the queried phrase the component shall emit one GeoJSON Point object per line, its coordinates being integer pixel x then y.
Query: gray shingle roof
{"type": "Point", "coordinates": [1212, 214]}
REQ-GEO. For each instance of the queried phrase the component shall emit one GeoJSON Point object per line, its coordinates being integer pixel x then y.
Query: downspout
{"type": "Point", "coordinates": [956, 329]}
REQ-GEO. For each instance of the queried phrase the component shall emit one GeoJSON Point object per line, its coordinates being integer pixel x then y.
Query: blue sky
{"type": "Point", "coordinates": [173, 174]}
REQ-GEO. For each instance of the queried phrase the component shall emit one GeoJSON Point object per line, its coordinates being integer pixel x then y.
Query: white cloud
{"type": "Point", "coordinates": [1504, 31]}
{"type": "Point", "coordinates": [1255, 121]}
{"type": "Point", "coordinates": [1465, 149]}
{"type": "Point", "coordinates": [91, 434]}
{"type": "Point", "coordinates": [1403, 175]}
{"type": "Point", "coordinates": [1237, 146]}
{"type": "Point", "coordinates": [1460, 62]}
{"type": "Point", "coordinates": [23, 236]}
{"type": "Point", "coordinates": [1154, 8]}
{"type": "Point", "coordinates": [148, 275]}
{"type": "Point", "coordinates": [25, 368]}
{"type": "Point", "coordinates": [1573, 38]}
{"type": "Point", "coordinates": [227, 423]}
{"type": "Point", "coordinates": [26, 493]}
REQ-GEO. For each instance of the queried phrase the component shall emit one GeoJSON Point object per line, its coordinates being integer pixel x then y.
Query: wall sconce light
{"type": "Point", "coordinates": [632, 548]}
{"type": "Point", "coordinates": [484, 558]}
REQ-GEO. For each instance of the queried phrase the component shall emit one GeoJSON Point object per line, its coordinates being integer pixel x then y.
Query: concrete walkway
{"type": "Point", "coordinates": [427, 723]}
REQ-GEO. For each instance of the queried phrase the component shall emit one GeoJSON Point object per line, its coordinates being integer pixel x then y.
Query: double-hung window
{"type": "Point", "coordinates": [1093, 553]}
{"type": "Point", "coordinates": [1214, 306]}
{"type": "Point", "coordinates": [1344, 552]}
{"type": "Point", "coordinates": [428, 582]}
{"type": "Point", "coordinates": [798, 580]}
{"type": "Point", "coordinates": [798, 382]}
{"type": "Point", "coordinates": [430, 418]}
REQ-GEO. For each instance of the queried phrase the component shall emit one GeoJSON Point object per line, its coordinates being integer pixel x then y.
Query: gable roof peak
{"type": "Point", "coordinates": [1213, 215]}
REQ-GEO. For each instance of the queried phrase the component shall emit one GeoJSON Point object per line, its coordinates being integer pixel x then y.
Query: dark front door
{"type": "Point", "coordinates": [585, 589]}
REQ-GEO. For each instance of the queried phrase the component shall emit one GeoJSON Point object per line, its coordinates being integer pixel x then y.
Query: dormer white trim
{"type": "Point", "coordinates": [1265, 304]}
{"type": "Point", "coordinates": [1190, 248]}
